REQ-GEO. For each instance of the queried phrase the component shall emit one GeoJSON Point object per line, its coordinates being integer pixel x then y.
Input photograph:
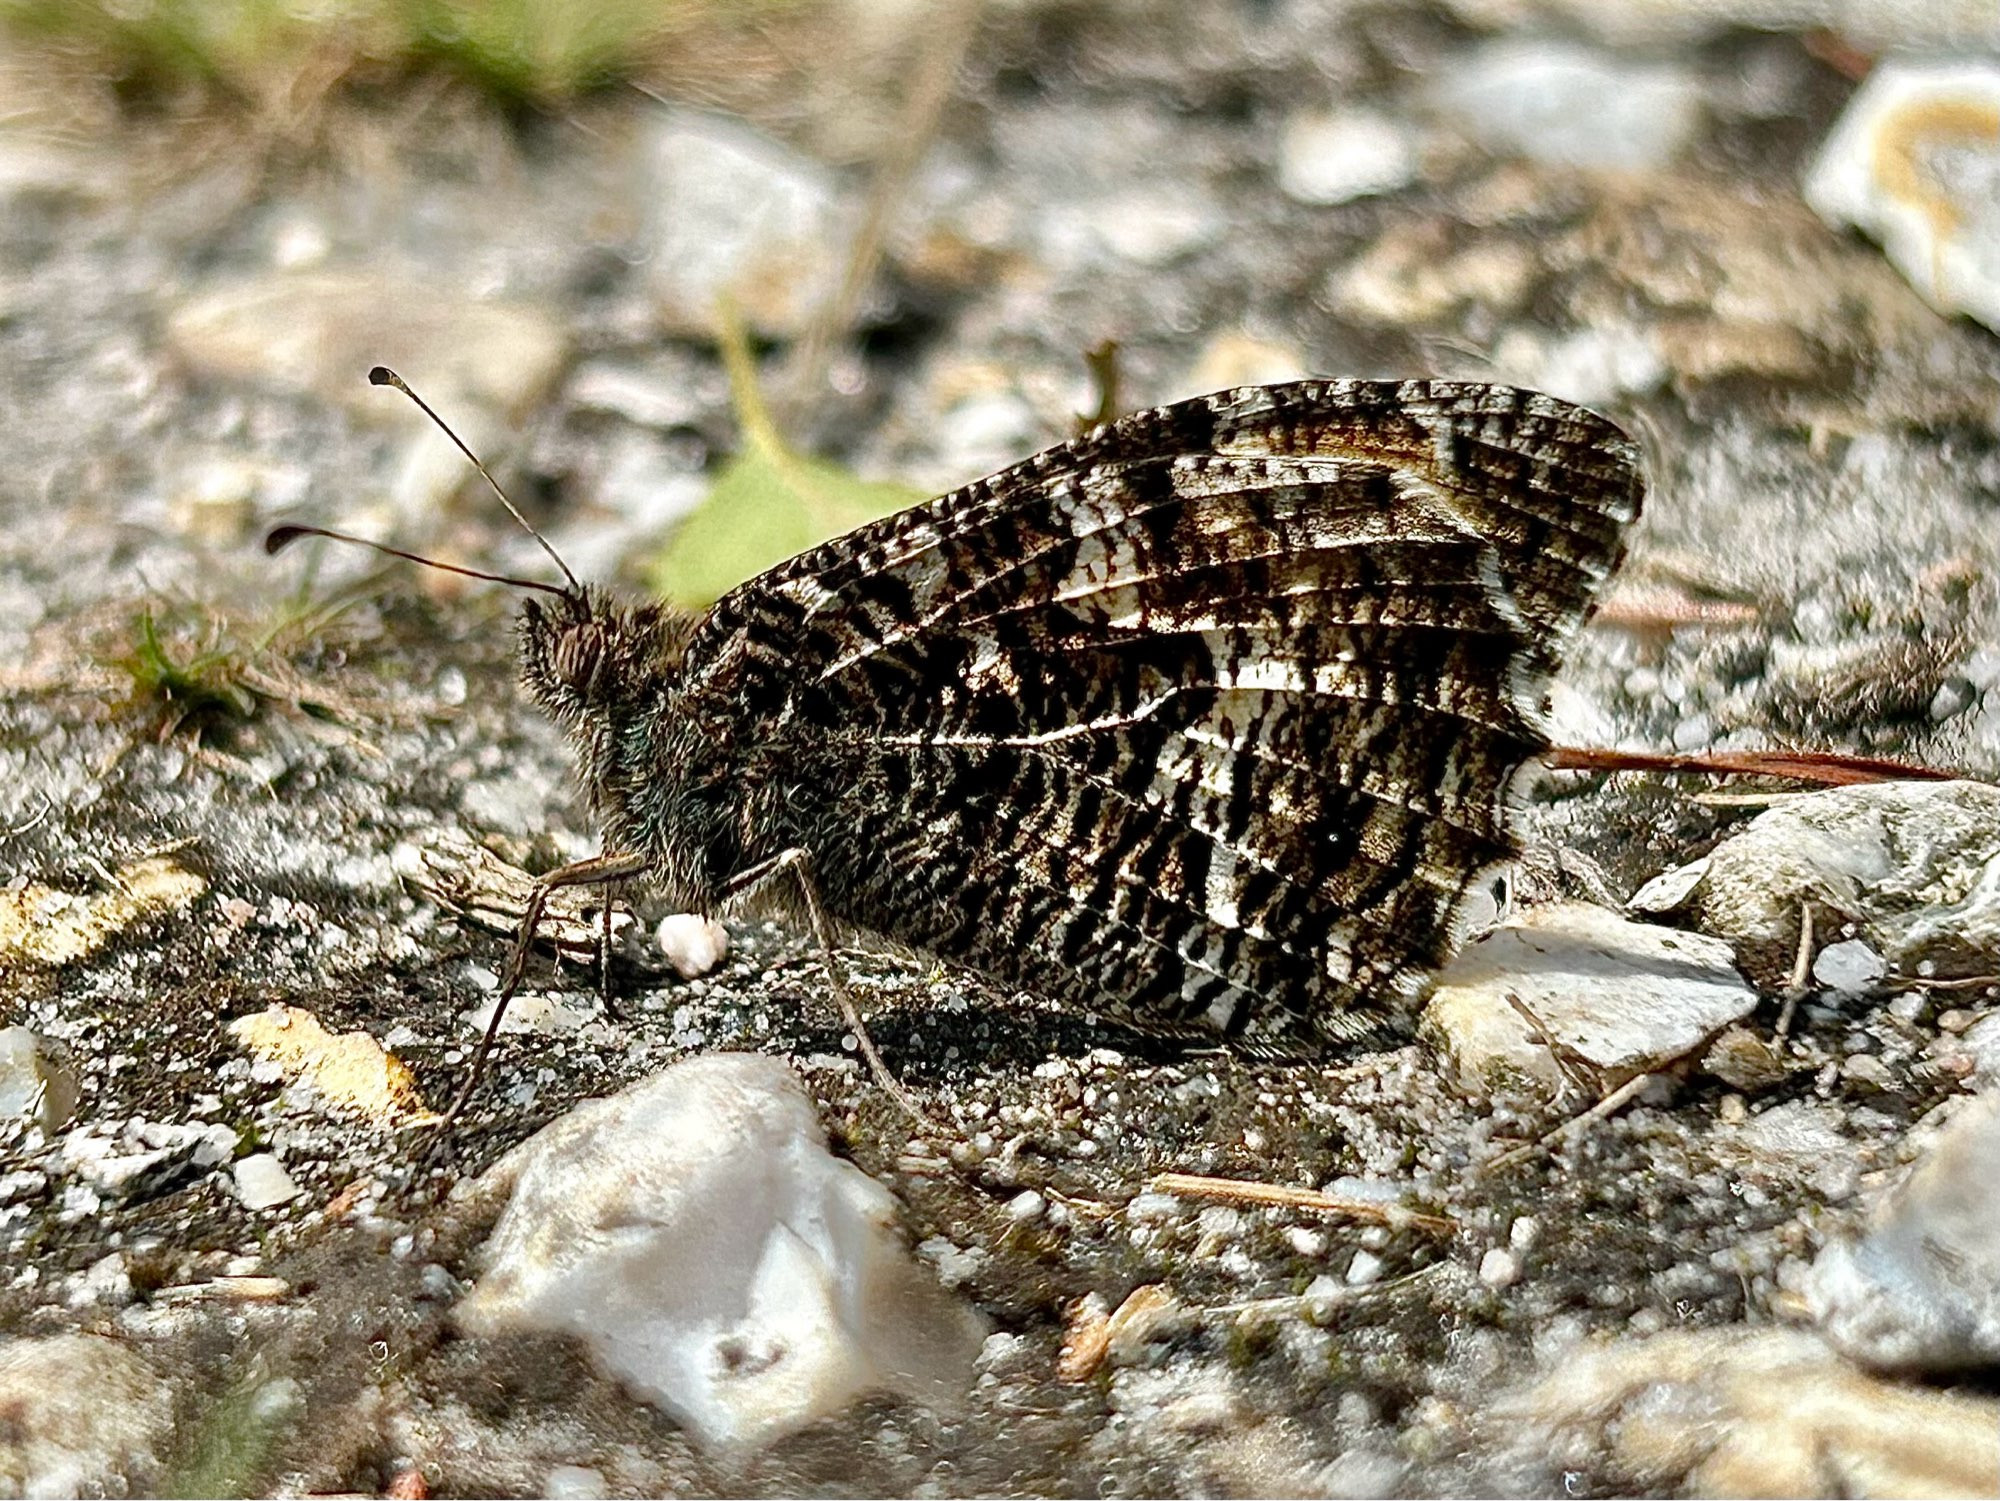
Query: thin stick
{"type": "Point", "coordinates": [1567, 1070]}
{"type": "Point", "coordinates": [1610, 1104]}
{"type": "Point", "coordinates": [1925, 982]}
{"type": "Point", "coordinates": [1828, 768]}
{"type": "Point", "coordinates": [604, 959]}
{"type": "Point", "coordinates": [1249, 1194]}
{"type": "Point", "coordinates": [1795, 986]}
{"type": "Point", "coordinates": [948, 35]}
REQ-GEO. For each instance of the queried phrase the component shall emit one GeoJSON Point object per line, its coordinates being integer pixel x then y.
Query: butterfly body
{"type": "Point", "coordinates": [1206, 721]}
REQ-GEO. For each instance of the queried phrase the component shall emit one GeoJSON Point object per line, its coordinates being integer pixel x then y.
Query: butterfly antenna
{"type": "Point", "coordinates": [382, 375]}
{"type": "Point", "coordinates": [280, 537]}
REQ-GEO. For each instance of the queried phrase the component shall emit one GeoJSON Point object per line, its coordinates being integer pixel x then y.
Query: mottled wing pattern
{"type": "Point", "coordinates": [1207, 719]}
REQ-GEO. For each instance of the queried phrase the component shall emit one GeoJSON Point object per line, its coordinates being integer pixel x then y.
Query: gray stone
{"type": "Point", "coordinates": [696, 1234]}
{"type": "Point", "coordinates": [1567, 105]}
{"type": "Point", "coordinates": [1626, 997]}
{"type": "Point", "coordinates": [146, 1159]}
{"type": "Point", "coordinates": [1850, 966]}
{"type": "Point", "coordinates": [1338, 155]}
{"type": "Point", "coordinates": [85, 1416]}
{"type": "Point", "coordinates": [263, 1183]}
{"type": "Point", "coordinates": [33, 1083]}
{"type": "Point", "coordinates": [1920, 1291]}
{"type": "Point", "coordinates": [732, 214]}
{"type": "Point", "coordinates": [1914, 866]}
{"type": "Point", "coordinates": [1915, 162]}
{"type": "Point", "coordinates": [1750, 1412]}
{"type": "Point", "coordinates": [1794, 1142]}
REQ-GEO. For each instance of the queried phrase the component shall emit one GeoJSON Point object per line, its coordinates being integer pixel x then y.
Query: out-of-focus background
{"type": "Point", "coordinates": [706, 281]}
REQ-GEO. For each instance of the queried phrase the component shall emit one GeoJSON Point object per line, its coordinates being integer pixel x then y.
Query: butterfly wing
{"type": "Point", "coordinates": [1205, 720]}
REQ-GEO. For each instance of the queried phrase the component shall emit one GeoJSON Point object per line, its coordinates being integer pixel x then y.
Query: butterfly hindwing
{"type": "Point", "coordinates": [1205, 720]}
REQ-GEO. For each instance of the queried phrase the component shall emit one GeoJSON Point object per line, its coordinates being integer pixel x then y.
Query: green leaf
{"type": "Point", "coordinates": [768, 502]}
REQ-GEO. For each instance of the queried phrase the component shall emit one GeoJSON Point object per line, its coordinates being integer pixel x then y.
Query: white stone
{"type": "Point", "coordinates": [1915, 866]}
{"type": "Point", "coordinates": [1670, 888]}
{"type": "Point", "coordinates": [1363, 1269]}
{"type": "Point", "coordinates": [1870, 25]}
{"type": "Point", "coordinates": [108, 1281]}
{"type": "Point", "coordinates": [1567, 105]}
{"type": "Point", "coordinates": [1850, 966]}
{"type": "Point", "coordinates": [1026, 1207]}
{"type": "Point", "coordinates": [263, 1183]}
{"type": "Point", "coordinates": [32, 1084]}
{"type": "Point", "coordinates": [535, 1012]}
{"type": "Point", "coordinates": [147, 1158]}
{"type": "Point", "coordinates": [1982, 1042]}
{"type": "Point", "coordinates": [1499, 1267]}
{"type": "Point", "coordinates": [1336, 156]}
{"type": "Point", "coordinates": [698, 1237]}
{"type": "Point", "coordinates": [575, 1483]}
{"type": "Point", "coordinates": [734, 214]}
{"type": "Point", "coordinates": [692, 944]}
{"type": "Point", "coordinates": [1915, 162]}
{"type": "Point", "coordinates": [1920, 1291]}
{"type": "Point", "coordinates": [1591, 366]}
{"type": "Point", "coordinates": [1157, 225]}
{"type": "Point", "coordinates": [1625, 996]}
{"type": "Point", "coordinates": [1748, 1411]}
{"type": "Point", "coordinates": [86, 1416]}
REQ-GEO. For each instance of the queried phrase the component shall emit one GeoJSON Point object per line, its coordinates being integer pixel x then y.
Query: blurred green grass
{"type": "Point", "coordinates": [519, 52]}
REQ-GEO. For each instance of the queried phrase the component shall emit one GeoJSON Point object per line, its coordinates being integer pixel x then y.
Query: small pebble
{"type": "Point", "coordinates": [1499, 1267]}
{"type": "Point", "coordinates": [1333, 158]}
{"type": "Point", "coordinates": [692, 944]}
{"type": "Point", "coordinates": [1310, 1244]}
{"type": "Point", "coordinates": [1026, 1208]}
{"type": "Point", "coordinates": [1366, 1267]}
{"type": "Point", "coordinates": [574, 1483]}
{"type": "Point", "coordinates": [263, 1183]}
{"type": "Point", "coordinates": [1954, 697]}
{"type": "Point", "coordinates": [1851, 967]}
{"type": "Point", "coordinates": [1868, 1070]}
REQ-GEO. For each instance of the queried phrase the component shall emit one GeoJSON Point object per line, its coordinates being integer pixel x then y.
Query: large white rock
{"type": "Point", "coordinates": [85, 1416]}
{"type": "Point", "coordinates": [1921, 1290]}
{"type": "Point", "coordinates": [696, 1234]}
{"type": "Point", "coordinates": [1914, 866]}
{"type": "Point", "coordinates": [1915, 162]}
{"type": "Point", "coordinates": [1624, 996]}
{"type": "Point", "coordinates": [1746, 1411]}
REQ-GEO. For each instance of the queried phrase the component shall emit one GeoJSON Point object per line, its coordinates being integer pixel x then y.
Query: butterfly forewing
{"type": "Point", "coordinates": [1205, 720]}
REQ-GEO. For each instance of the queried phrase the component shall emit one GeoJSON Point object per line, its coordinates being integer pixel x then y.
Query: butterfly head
{"type": "Point", "coordinates": [583, 656]}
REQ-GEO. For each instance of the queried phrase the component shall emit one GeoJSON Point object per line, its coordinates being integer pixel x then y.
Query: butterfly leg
{"type": "Point", "coordinates": [604, 960]}
{"type": "Point", "coordinates": [598, 871]}
{"type": "Point", "coordinates": [798, 863]}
